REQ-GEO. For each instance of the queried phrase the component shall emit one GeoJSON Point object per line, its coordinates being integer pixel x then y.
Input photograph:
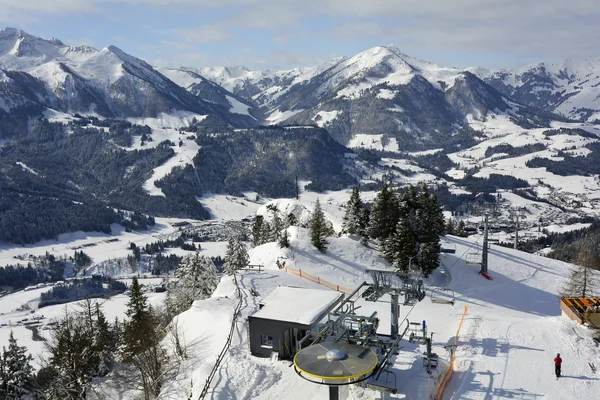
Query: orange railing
{"type": "Point", "coordinates": [316, 279]}
{"type": "Point", "coordinates": [448, 374]}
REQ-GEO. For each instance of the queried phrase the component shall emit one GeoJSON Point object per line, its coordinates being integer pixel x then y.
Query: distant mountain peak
{"type": "Point", "coordinates": [56, 41]}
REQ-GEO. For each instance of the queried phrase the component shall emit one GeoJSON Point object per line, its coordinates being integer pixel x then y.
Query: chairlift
{"type": "Point", "coordinates": [448, 247]}
{"type": "Point", "coordinates": [442, 296]}
{"type": "Point", "coordinates": [473, 258]}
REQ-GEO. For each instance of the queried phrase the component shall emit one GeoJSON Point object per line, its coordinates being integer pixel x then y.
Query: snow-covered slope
{"type": "Point", "coordinates": [263, 87]}
{"type": "Point", "coordinates": [108, 82]}
{"type": "Point", "coordinates": [211, 92]}
{"type": "Point", "coordinates": [381, 93]}
{"type": "Point", "coordinates": [512, 331]}
{"type": "Point", "coordinates": [570, 88]}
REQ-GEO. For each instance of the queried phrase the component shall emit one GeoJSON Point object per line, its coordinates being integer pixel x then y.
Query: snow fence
{"type": "Point", "coordinates": [316, 279]}
{"type": "Point", "coordinates": [448, 374]}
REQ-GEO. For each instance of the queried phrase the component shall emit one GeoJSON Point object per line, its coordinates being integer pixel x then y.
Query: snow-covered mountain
{"type": "Point", "coordinates": [263, 87]}
{"type": "Point", "coordinates": [108, 82]}
{"type": "Point", "coordinates": [380, 94]}
{"type": "Point", "coordinates": [212, 92]}
{"type": "Point", "coordinates": [570, 88]}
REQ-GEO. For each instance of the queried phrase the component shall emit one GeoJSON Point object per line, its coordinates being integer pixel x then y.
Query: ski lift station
{"type": "Point", "coordinates": [284, 318]}
{"type": "Point", "coordinates": [337, 339]}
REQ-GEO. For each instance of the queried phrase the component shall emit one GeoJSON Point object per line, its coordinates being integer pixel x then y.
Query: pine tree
{"type": "Point", "coordinates": [236, 257]}
{"type": "Point", "coordinates": [105, 342]}
{"type": "Point", "coordinates": [451, 227]}
{"type": "Point", "coordinates": [400, 246]}
{"type": "Point", "coordinates": [265, 232]}
{"type": "Point", "coordinates": [437, 215]}
{"type": "Point", "coordinates": [384, 214]}
{"type": "Point", "coordinates": [16, 372]}
{"type": "Point", "coordinates": [318, 228]}
{"type": "Point", "coordinates": [257, 230]}
{"type": "Point", "coordinates": [353, 218]}
{"type": "Point", "coordinates": [429, 257]}
{"type": "Point", "coordinates": [432, 227]}
{"type": "Point", "coordinates": [284, 239]}
{"type": "Point", "coordinates": [197, 279]}
{"type": "Point", "coordinates": [277, 225]}
{"type": "Point", "coordinates": [292, 220]}
{"type": "Point", "coordinates": [138, 329]}
{"type": "Point", "coordinates": [460, 229]}
{"type": "Point", "coordinates": [73, 355]}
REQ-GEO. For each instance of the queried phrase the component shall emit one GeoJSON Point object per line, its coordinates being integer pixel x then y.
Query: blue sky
{"type": "Point", "coordinates": [280, 34]}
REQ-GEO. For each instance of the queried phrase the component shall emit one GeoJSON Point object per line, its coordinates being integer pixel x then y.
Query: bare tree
{"type": "Point", "coordinates": [583, 281]}
{"type": "Point", "coordinates": [150, 366]}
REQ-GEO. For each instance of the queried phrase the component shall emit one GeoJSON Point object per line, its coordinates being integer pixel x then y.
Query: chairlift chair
{"type": "Point", "coordinates": [438, 298]}
{"type": "Point", "coordinates": [448, 247]}
{"type": "Point", "coordinates": [473, 258]}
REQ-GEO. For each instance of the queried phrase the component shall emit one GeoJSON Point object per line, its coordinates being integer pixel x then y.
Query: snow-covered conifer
{"type": "Point", "coordinates": [197, 279]}
{"type": "Point", "coordinates": [236, 257]}
{"type": "Point", "coordinates": [384, 214]}
{"type": "Point", "coordinates": [353, 218]}
{"type": "Point", "coordinates": [16, 372]}
{"type": "Point", "coordinates": [319, 228]}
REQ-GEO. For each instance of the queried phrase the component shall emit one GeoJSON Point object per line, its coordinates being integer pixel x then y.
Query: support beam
{"type": "Point", "coordinates": [484, 255]}
{"type": "Point", "coordinates": [395, 315]}
{"type": "Point", "coordinates": [334, 393]}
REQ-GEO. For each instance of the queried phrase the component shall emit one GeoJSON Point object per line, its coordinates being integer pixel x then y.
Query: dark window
{"type": "Point", "coordinates": [266, 340]}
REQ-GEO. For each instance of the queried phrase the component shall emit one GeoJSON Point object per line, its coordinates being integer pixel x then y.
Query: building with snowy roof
{"type": "Point", "coordinates": [284, 318]}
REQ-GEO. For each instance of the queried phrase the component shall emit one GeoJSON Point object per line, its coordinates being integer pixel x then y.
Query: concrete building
{"type": "Point", "coordinates": [284, 318]}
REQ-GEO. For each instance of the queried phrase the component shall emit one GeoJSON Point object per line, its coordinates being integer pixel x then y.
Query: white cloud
{"type": "Point", "coordinates": [527, 29]}
{"type": "Point", "coordinates": [208, 33]}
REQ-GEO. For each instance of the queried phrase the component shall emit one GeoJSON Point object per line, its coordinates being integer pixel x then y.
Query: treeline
{"type": "Point", "coordinates": [66, 178]}
{"type": "Point", "coordinates": [121, 132]}
{"type": "Point", "coordinates": [460, 204]}
{"type": "Point", "coordinates": [79, 289]}
{"type": "Point", "coordinates": [581, 165]}
{"type": "Point", "coordinates": [268, 161]}
{"type": "Point", "coordinates": [570, 132]}
{"type": "Point", "coordinates": [492, 183]}
{"type": "Point", "coordinates": [565, 245]}
{"type": "Point", "coordinates": [160, 245]}
{"type": "Point", "coordinates": [16, 277]}
{"type": "Point", "coordinates": [407, 224]}
{"type": "Point", "coordinates": [514, 151]}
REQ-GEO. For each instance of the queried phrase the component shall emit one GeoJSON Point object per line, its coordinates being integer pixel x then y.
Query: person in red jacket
{"type": "Point", "coordinates": [557, 364]}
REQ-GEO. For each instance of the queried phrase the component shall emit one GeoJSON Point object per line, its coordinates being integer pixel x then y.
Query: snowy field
{"type": "Point", "coordinates": [11, 316]}
{"type": "Point", "coordinates": [99, 246]}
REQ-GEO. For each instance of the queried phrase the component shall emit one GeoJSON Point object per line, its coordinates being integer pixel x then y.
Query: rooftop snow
{"type": "Point", "coordinates": [297, 305]}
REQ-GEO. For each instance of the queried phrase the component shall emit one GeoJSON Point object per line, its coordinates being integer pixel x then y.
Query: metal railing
{"type": "Point", "coordinates": [225, 348]}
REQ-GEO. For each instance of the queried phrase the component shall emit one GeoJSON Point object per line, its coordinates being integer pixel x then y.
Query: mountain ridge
{"type": "Point", "coordinates": [108, 82]}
